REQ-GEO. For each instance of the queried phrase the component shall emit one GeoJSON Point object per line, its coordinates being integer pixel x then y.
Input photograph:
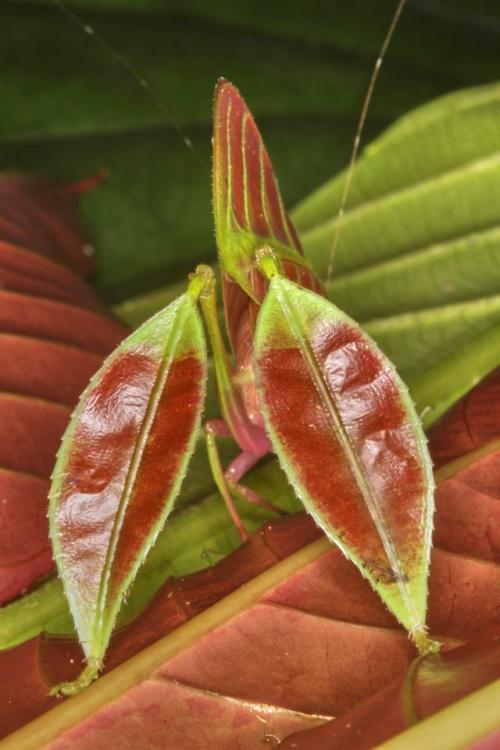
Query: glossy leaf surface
{"type": "Point", "coordinates": [37, 214]}
{"type": "Point", "coordinates": [472, 423]}
{"type": "Point", "coordinates": [347, 436]}
{"type": "Point", "coordinates": [428, 686]}
{"type": "Point", "coordinates": [122, 462]}
{"type": "Point", "coordinates": [354, 647]}
{"type": "Point", "coordinates": [25, 553]}
{"type": "Point", "coordinates": [445, 383]}
{"type": "Point", "coordinates": [53, 336]}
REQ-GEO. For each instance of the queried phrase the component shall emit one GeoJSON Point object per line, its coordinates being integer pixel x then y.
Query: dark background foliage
{"type": "Point", "coordinates": [69, 108]}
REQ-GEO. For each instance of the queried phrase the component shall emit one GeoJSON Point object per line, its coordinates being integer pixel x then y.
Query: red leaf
{"type": "Point", "coordinates": [472, 423]}
{"type": "Point", "coordinates": [22, 270]}
{"type": "Point", "coordinates": [52, 340]}
{"type": "Point", "coordinates": [25, 552]}
{"type": "Point", "coordinates": [473, 493]}
{"type": "Point", "coordinates": [30, 433]}
{"type": "Point", "coordinates": [50, 320]}
{"type": "Point", "coordinates": [43, 369]}
{"type": "Point", "coordinates": [429, 685]}
{"type": "Point", "coordinates": [316, 644]}
{"type": "Point", "coordinates": [43, 217]}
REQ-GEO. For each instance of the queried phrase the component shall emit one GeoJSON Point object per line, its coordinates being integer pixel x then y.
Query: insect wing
{"type": "Point", "coordinates": [121, 464]}
{"type": "Point", "coordinates": [248, 208]}
{"type": "Point", "coordinates": [347, 436]}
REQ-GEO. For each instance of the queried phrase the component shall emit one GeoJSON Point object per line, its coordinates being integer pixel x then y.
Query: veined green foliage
{"type": "Point", "coordinates": [424, 146]}
{"type": "Point", "coordinates": [418, 252]}
{"type": "Point", "coordinates": [418, 341]}
{"type": "Point", "coordinates": [121, 465]}
{"type": "Point", "coordinates": [349, 440]}
{"type": "Point", "coordinates": [438, 388]}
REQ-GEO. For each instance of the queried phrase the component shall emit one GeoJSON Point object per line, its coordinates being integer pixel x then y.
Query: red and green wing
{"type": "Point", "coordinates": [248, 208]}
{"type": "Point", "coordinates": [249, 214]}
{"type": "Point", "coordinates": [347, 435]}
{"type": "Point", "coordinates": [122, 462]}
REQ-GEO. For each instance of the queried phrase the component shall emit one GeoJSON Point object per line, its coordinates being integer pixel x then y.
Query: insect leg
{"type": "Point", "coordinates": [235, 423]}
{"type": "Point", "coordinates": [228, 481]}
{"type": "Point", "coordinates": [237, 469]}
{"type": "Point", "coordinates": [212, 430]}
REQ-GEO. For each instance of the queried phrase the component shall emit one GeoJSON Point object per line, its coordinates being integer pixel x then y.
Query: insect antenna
{"type": "Point", "coordinates": [130, 68]}
{"type": "Point", "coordinates": [359, 133]}
{"type": "Point", "coordinates": [164, 110]}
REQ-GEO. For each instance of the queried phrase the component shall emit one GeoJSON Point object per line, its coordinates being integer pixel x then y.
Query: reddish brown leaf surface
{"type": "Point", "coordinates": [25, 554]}
{"type": "Point", "coordinates": [312, 647]}
{"type": "Point", "coordinates": [43, 217]}
{"type": "Point", "coordinates": [435, 682]}
{"type": "Point", "coordinates": [23, 271]}
{"type": "Point", "coordinates": [470, 424]}
{"type": "Point", "coordinates": [44, 369]}
{"type": "Point", "coordinates": [473, 493]}
{"type": "Point", "coordinates": [30, 433]}
{"type": "Point", "coordinates": [53, 336]}
{"type": "Point", "coordinates": [286, 378]}
{"type": "Point", "coordinates": [51, 320]}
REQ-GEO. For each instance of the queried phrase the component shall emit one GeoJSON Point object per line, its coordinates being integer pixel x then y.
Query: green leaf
{"type": "Point", "coordinates": [458, 202]}
{"type": "Point", "coordinates": [423, 145]}
{"type": "Point", "coordinates": [455, 271]}
{"type": "Point", "coordinates": [436, 389]}
{"type": "Point", "coordinates": [418, 249]}
{"type": "Point", "coordinates": [417, 341]}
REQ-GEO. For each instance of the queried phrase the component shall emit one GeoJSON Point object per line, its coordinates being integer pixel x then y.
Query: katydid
{"type": "Point", "coordinates": [303, 381]}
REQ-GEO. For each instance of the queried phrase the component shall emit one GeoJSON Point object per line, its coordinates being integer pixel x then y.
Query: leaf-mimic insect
{"type": "Point", "coordinates": [303, 381]}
